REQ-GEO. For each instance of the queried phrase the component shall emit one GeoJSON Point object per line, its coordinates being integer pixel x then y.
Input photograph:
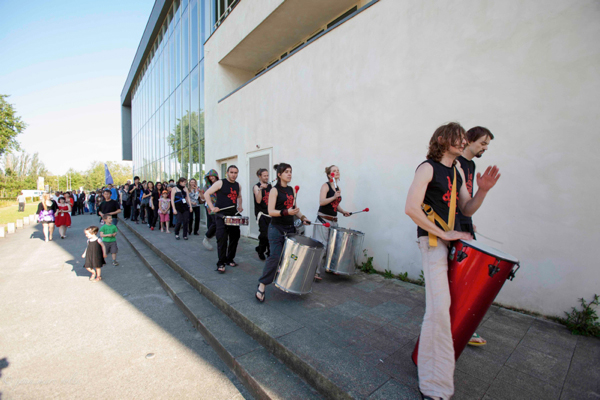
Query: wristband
{"type": "Point", "coordinates": [284, 212]}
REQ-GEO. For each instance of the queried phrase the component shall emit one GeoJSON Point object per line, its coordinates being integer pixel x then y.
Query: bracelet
{"type": "Point", "coordinates": [284, 212]}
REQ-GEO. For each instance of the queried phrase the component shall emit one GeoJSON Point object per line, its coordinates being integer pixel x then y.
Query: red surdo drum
{"type": "Point", "coordinates": [476, 273]}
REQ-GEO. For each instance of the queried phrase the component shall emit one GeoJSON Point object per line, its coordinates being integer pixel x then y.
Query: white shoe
{"type": "Point", "coordinates": [207, 244]}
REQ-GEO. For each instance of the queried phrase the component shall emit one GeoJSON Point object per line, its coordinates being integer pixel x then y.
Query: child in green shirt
{"type": "Point", "coordinates": [108, 233]}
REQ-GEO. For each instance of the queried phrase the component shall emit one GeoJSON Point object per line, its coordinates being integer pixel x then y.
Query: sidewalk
{"type": "Point", "coordinates": [358, 332]}
{"type": "Point", "coordinates": [63, 337]}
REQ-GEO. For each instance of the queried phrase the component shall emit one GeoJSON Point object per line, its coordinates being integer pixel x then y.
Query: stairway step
{"type": "Point", "coordinates": [334, 372]}
{"type": "Point", "coordinates": [260, 371]}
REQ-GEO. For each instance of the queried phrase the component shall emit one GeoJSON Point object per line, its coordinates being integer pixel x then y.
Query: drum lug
{"type": "Point", "coordinates": [511, 276]}
{"type": "Point", "coordinates": [494, 269]}
{"type": "Point", "coordinates": [460, 255]}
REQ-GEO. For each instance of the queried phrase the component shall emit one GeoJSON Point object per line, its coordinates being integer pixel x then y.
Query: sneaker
{"type": "Point", "coordinates": [115, 263]}
{"type": "Point", "coordinates": [207, 244]}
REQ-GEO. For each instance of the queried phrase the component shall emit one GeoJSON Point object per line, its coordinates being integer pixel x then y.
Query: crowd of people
{"type": "Point", "coordinates": [440, 201]}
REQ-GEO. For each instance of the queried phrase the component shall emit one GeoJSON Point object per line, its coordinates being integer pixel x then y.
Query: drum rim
{"type": "Point", "coordinates": [290, 236]}
{"type": "Point", "coordinates": [348, 231]}
{"type": "Point", "coordinates": [502, 256]}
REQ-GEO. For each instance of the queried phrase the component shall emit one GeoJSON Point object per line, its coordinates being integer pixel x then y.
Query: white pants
{"type": "Point", "coordinates": [436, 350]}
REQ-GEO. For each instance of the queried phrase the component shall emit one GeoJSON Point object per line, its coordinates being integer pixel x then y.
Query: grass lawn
{"type": "Point", "coordinates": [12, 214]}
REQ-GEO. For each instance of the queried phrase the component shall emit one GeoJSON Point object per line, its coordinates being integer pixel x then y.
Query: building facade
{"type": "Point", "coordinates": [363, 85]}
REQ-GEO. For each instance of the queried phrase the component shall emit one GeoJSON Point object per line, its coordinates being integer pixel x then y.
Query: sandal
{"type": "Point", "coordinates": [92, 277]}
{"type": "Point", "coordinates": [318, 278]}
{"type": "Point", "coordinates": [98, 279]}
{"type": "Point", "coordinates": [258, 291]}
{"type": "Point", "coordinates": [233, 264]}
{"type": "Point", "coordinates": [477, 340]}
{"type": "Point", "coordinates": [220, 269]}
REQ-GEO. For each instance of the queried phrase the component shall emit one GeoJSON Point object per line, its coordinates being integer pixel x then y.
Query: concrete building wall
{"type": "Point", "coordinates": [368, 95]}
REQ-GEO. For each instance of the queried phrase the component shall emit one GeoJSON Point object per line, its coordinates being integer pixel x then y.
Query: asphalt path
{"type": "Point", "coordinates": [62, 336]}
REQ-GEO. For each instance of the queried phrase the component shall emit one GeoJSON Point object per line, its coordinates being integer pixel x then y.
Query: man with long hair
{"type": "Point", "coordinates": [436, 191]}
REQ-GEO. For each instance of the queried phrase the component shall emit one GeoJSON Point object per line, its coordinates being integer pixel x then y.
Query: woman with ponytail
{"type": "Point", "coordinates": [282, 209]}
{"type": "Point", "coordinates": [330, 198]}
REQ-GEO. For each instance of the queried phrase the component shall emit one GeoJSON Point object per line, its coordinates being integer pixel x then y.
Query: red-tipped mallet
{"type": "Point", "coordinates": [326, 224]}
{"type": "Point", "coordinates": [297, 189]}
{"type": "Point", "coordinates": [333, 180]}
{"type": "Point", "coordinates": [358, 212]}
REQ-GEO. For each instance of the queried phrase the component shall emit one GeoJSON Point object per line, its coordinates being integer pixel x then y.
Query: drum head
{"type": "Point", "coordinates": [490, 250]}
{"type": "Point", "coordinates": [305, 241]}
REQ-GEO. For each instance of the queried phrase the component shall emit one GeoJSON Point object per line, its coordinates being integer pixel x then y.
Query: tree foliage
{"type": "Point", "coordinates": [188, 132]}
{"type": "Point", "coordinates": [10, 126]}
{"type": "Point", "coordinates": [20, 172]}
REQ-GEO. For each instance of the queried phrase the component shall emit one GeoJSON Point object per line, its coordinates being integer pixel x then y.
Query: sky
{"type": "Point", "coordinates": [64, 64]}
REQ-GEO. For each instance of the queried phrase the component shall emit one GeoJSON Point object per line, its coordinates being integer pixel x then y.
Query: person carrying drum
{"type": "Point", "coordinates": [330, 198]}
{"type": "Point", "coordinates": [282, 210]}
{"type": "Point", "coordinates": [436, 191]}
{"type": "Point", "coordinates": [261, 211]}
{"type": "Point", "coordinates": [229, 200]}
{"type": "Point", "coordinates": [478, 140]}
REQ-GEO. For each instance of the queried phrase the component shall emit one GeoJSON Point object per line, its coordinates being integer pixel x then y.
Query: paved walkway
{"type": "Point", "coordinates": [359, 332]}
{"type": "Point", "coordinates": [64, 337]}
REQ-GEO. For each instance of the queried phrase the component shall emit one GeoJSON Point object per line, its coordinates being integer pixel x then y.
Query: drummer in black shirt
{"type": "Point", "coordinates": [438, 189]}
{"type": "Point", "coordinates": [282, 209]}
{"type": "Point", "coordinates": [261, 212]}
{"type": "Point", "coordinates": [478, 140]}
{"type": "Point", "coordinates": [229, 196]}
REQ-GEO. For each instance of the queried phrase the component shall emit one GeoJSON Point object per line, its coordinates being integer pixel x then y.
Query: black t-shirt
{"type": "Point", "coordinates": [108, 207]}
{"type": "Point", "coordinates": [227, 197]}
{"type": "Point", "coordinates": [439, 193]}
{"type": "Point", "coordinates": [285, 199]}
{"type": "Point", "coordinates": [263, 206]}
{"type": "Point", "coordinates": [135, 194]}
{"type": "Point", "coordinates": [331, 208]}
{"type": "Point", "coordinates": [468, 168]}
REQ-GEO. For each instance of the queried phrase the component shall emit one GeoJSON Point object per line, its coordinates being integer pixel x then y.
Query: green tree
{"type": "Point", "coordinates": [189, 134]}
{"type": "Point", "coordinates": [21, 171]}
{"type": "Point", "coordinates": [10, 126]}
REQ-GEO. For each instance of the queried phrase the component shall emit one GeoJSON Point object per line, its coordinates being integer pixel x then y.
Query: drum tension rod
{"type": "Point", "coordinates": [494, 269]}
{"type": "Point", "coordinates": [511, 276]}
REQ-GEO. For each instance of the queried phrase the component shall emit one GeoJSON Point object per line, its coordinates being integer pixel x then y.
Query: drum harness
{"type": "Point", "coordinates": [434, 217]}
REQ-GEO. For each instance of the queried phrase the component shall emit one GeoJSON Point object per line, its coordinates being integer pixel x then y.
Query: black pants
{"type": "Point", "coordinates": [149, 215]}
{"type": "Point", "coordinates": [183, 218]}
{"type": "Point", "coordinates": [210, 225]}
{"type": "Point", "coordinates": [276, 241]}
{"type": "Point", "coordinates": [74, 209]}
{"type": "Point", "coordinates": [227, 241]}
{"type": "Point", "coordinates": [194, 220]}
{"type": "Point", "coordinates": [263, 236]}
{"type": "Point", "coordinates": [126, 211]}
{"type": "Point", "coordinates": [135, 212]}
{"type": "Point", "coordinates": [155, 217]}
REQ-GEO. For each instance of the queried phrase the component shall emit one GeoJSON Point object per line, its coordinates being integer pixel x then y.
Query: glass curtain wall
{"type": "Point", "coordinates": [168, 96]}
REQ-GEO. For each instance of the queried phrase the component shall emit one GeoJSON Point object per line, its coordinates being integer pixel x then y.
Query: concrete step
{"type": "Point", "coordinates": [303, 343]}
{"type": "Point", "coordinates": [260, 371]}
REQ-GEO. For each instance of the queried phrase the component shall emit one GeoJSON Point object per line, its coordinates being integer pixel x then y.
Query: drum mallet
{"type": "Point", "coordinates": [333, 180]}
{"type": "Point", "coordinates": [358, 212]}
{"type": "Point", "coordinates": [297, 189]}
{"type": "Point", "coordinates": [326, 224]}
{"type": "Point", "coordinates": [221, 209]}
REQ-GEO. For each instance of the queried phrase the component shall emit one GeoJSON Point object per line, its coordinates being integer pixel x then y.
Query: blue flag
{"type": "Point", "coordinates": [107, 177]}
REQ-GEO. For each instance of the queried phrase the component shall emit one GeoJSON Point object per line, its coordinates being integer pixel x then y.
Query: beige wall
{"type": "Point", "coordinates": [368, 95]}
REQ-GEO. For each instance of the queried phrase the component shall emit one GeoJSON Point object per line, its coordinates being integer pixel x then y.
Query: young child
{"type": "Point", "coordinates": [94, 254]}
{"type": "Point", "coordinates": [108, 233]}
{"type": "Point", "coordinates": [164, 204]}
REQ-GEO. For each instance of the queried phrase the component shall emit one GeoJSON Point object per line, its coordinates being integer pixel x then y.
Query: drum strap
{"type": "Point", "coordinates": [433, 217]}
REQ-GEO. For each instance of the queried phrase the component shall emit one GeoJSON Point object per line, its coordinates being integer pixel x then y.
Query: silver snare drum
{"type": "Point", "coordinates": [236, 220]}
{"type": "Point", "coordinates": [299, 260]}
{"type": "Point", "coordinates": [343, 250]}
